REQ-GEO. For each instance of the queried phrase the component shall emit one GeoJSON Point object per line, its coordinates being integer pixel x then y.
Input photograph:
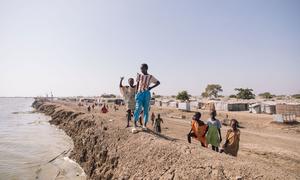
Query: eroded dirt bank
{"type": "Point", "coordinates": [106, 150]}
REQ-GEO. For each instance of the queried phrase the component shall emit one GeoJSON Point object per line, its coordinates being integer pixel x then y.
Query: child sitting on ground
{"type": "Point", "coordinates": [199, 129]}
{"type": "Point", "coordinates": [157, 123]}
{"type": "Point", "coordinates": [232, 142]}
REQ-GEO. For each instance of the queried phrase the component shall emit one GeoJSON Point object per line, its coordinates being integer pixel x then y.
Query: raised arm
{"type": "Point", "coordinates": [121, 82]}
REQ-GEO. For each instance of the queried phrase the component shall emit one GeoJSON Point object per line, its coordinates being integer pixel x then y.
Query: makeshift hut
{"type": "Point", "coordinates": [87, 100]}
{"type": "Point", "coordinates": [288, 109]}
{"type": "Point", "coordinates": [195, 105]}
{"type": "Point", "coordinates": [255, 108]}
{"type": "Point", "coordinates": [268, 107]}
{"type": "Point", "coordinates": [173, 104]}
{"type": "Point", "coordinates": [221, 106]}
{"type": "Point", "coordinates": [285, 118]}
{"type": "Point", "coordinates": [165, 103]}
{"type": "Point", "coordinates": [185, 106]}
{"type": "Point", "coordinates": [238, 106]}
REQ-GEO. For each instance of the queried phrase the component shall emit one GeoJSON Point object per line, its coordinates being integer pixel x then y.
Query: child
{"type": "Point", "coordinates": [128, 117]}
{"type": "Point", "coordinates": [115, 108]}
{"type": "Point", "coordinates": [89, 109]}
{"type": "Point", "coordinates": [199, 129]}
{"type": "Point", "coordinates": [157, 122]}
{"type": "Point", "coordinates": [104, 109]}
{"type": "Point", "coordinates": [128, 93]}
{"type": "Point", "coordinates": [213, 136]}
{"type": "Point", "coordinates": [152, 119]}
{"type": "Point", "coordinates": [232, 142]}
{"type": "Point", "coordinates": [143, 95]}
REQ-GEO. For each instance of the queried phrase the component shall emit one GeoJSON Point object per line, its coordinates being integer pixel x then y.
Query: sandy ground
{"type": "Point", "coordinates": [262, 140]}
{"type": "Point", "coordinates": [267, 150]}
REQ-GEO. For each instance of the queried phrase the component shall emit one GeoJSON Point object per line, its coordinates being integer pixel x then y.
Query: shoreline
{"type": "Point", "coordinates": [106, 150]}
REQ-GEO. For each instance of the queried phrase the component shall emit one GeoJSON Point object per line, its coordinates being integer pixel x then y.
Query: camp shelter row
{"type": "Point", "coordinates": [253, 106]}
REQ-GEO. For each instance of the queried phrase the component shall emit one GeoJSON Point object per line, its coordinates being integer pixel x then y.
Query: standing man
{"type": "Point", "coordinates": [128, 92]}
{"type": "Point", "coordinates": [143, 95]}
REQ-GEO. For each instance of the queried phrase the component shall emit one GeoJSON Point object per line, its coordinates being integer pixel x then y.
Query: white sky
{"type": "Point", "coordinates": [83, 47]}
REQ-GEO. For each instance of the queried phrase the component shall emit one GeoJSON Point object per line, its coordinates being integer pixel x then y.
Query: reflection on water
{"type": "Point", "coordinates": [30, 148]}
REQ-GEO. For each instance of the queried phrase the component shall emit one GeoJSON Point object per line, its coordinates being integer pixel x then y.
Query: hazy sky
{"type": "Point", "coordinates": [83, 47]}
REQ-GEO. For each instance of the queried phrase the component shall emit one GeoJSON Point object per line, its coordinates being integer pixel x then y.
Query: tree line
{"type": "Point", "coordinates": [213, 90]}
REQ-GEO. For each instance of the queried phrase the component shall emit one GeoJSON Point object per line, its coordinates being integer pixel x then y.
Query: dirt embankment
{"type": "Point", "coordinates": [106, 150]}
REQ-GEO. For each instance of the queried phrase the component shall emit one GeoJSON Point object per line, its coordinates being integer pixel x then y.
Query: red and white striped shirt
{"type": "Point", "coordinates": [144, 81]}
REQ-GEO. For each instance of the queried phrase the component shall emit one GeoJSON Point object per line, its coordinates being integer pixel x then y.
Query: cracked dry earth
{"type": "Point", "coordinates": [107, 150]}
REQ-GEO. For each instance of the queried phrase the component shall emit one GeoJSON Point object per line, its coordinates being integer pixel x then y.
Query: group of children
{"type": "Point", "coordinates": [156, 122]}
{"type": "Point", "coordinates": [210, 134]}
{"type": "Point", "coordinates": [137, 97]}
{"type": "Point", "coordinates": [104, 108]}
{"type": "Point", "coordinates": [89, 108]}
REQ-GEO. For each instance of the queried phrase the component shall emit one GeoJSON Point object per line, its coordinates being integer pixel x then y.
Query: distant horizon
{"type": "Point", "coordinates": [83, 48]}
{"type": "Point", "coordinates": [118, 95]}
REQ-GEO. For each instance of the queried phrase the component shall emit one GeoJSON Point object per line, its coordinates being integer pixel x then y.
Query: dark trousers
{"type": "Point", "coordinates": [158, 129]}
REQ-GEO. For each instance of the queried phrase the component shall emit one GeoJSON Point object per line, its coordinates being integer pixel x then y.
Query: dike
{"type": "Point", "coordinates": [106, 151]}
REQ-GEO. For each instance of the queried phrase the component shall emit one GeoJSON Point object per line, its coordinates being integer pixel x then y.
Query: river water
{"type": "Point", "coordinates": [31, 148]}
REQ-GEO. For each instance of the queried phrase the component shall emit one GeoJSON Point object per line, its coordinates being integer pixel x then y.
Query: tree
{"type": "Point", "coordinates": [296, 96]}
{"type": "Point", "coordinates": [204, 94]}
{"type": "Point", "coordinates": [244, 93]}
{"type": "Point", "coordinates": [266, 95]}
{"type": "Point", "coordinates": [212, 90]}
{"type": "Point", "coordinates": [232, 96]}
{"type": "Point", "coordinates": [183, 96]}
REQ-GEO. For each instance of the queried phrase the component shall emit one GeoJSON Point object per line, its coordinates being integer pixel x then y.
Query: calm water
{"type": "Point", "coordinates": [28, 143]}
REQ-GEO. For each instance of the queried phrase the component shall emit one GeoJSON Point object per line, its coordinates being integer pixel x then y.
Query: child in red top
{"type": "Point", "coordinates": [199, 129]}
{"type": "Point", "coordinates": [104, 109]}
